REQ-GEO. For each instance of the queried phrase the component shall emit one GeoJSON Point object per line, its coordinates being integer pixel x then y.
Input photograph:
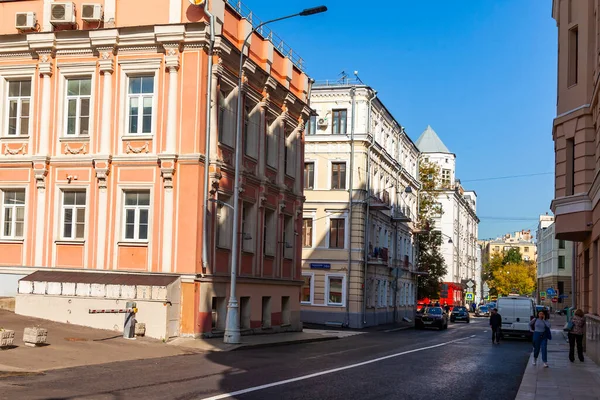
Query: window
{"type": "Point", "coordinates": [497, 248]}
{"type": "Point", "coordinates": [73, 214]}
{"type": "Point", "coordinates": [446, 180]}
{"type": "Point", "coordinates": [339, 121]}
{"type": "Point", "coordinates": [526, 250]}
{"type": "Point", "coordinates": [18, 101]}
{"type": "Point", "coordinates": [78, 106]}
{"type": "Point", "coordinates": [309, 175]}
{"type": "Point", "coordinates": [338, 175]}
{"type": "Point", "coordinates": [269, 232]}
{"type": "Point", "coordinates": [561, 244]}
{"type": "Point", "coordinates": [311, 128]}
{"type": "Point", "coordinates": [289, 159]}
{"type": "Point", "coordinates": [140, 100]}
{"type": "Point", "coordinates": [573, 55]}
{"type": "Point", "coordinates": [307, 232]}
{"type": "Point", "coordinates": [561, 262]}
{"type": "Point", "coordinates": [288, 237]}
{"type": "Point", "coordinates": [248, 227]}
{"type": "Point", "coordinates": [306, 293]}
{"type": "Point", "coordinates": [13, 213]}
{"type": "Point", "coordinates": [336, 233]}
{"type": "Point", "coordinates": [137, 209]}
{"type": "Point", "coordinates": [224, 222]}
{"type": "Point", "coordinates": [335, 290]}
{"type": "Point", "coordinates": [275, 131]}
{"type": "Point", "coordinates": [251, 130]}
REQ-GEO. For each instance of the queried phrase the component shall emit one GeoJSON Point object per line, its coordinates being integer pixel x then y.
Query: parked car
{"type": "Point", "coordinates": [540, 308]}
{"type": "Point", "coordinates": [460, 313]}
{"type": "Point", "coordinates": [432, 317]}
{"type": "Point", "coordinates": [482, 311]}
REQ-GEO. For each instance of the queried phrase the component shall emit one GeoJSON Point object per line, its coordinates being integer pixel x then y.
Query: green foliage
{"type": "Point", "coordinates": [512, 256]}
{"type": "Point", "coordinates": [430, 259]}
{"type": "Point", "coordinates": [506, 272]}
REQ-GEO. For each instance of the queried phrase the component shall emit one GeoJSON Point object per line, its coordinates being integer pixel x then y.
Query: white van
{"type": "Point", "coordinates": [516, 312]}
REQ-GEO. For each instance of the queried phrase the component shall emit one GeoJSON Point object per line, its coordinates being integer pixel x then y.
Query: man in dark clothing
{"type": "Point", "coordinates": [496, 325]}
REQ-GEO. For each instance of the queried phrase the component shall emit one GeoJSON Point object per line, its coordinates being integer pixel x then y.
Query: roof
{"type": "Point", "coordinates": [101, 278]}
{"type": "Point", "coordinates": [430, 142]}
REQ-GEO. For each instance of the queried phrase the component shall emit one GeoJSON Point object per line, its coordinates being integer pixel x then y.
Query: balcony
{"type": "Point", "coordinates": [381, 203]}
{"type": "Point", "coordinates": [573, 217]}
{"type": "Point", "coordinates": [378, 255]}
{"type": "Point", "coordinates": [401, 214]}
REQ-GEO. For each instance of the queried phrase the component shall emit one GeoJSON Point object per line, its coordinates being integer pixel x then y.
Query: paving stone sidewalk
{"type": "Point", "coordinates": [563, 379]}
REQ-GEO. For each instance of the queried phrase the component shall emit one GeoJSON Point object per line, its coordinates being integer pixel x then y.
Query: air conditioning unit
{"type": "Point", "coordinates": [25, 20]}
{"type": "Point", "coordinates": [91, 12]}
{"type": "Point", "coordinates": [62, 13]}
{"type": "Point", "coordinates": [322, 122]}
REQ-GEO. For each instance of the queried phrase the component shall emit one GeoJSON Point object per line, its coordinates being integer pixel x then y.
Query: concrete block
{"type": "Point", "coordinates": [159, 293]}
{"type": "Point", "coordinates": [143, 292]}
{"type": "Point", "coordinates": [82, 289]}
{"type": "Point", "coordinates": [6, 337]}
{"type": "Point", "coordinates": [39, 287]}
{"type": "Point", "coordinates": [54, 288]}
{"type": "Point", "coordinates": [25, 287]}
{"type": "Point", "coordinates": [98, 290]}
{"type": "Point", "coordinates": [128, 292]}
{"type": "Point", "coordinates": [68, 289]}
{"type": "Point", "coordinates": [113, 291]}
{"type": "Point", "coordinates": [140, 329]}
{"type": "Point", "coordinates": [35, 336]}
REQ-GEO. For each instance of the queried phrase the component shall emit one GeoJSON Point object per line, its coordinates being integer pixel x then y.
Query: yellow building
{"type": "Point", "coordinates": [522, 240]}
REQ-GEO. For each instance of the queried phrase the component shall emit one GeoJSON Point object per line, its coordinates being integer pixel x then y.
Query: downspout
{"type": "Point", "coordinates": [350, 200]}
{"type": "Point", "coordinates": [205, 242]}
{"type": "Point", "coordinates": [367, 206]}
{"type": "Point", "coordinates": [574, 277]}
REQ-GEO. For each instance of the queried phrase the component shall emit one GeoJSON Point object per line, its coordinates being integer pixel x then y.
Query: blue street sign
{"type": "Point", "coordinates": [551, 292]}
{"type": "Point", "coordinates": [320, 266]}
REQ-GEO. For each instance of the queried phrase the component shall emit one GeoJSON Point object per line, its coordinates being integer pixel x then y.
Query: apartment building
{"type": "Point", "coordinates": [458, 221]}
{"type": "Point", "coordinates": [360, 183]}
{"type": "Point", "coordinates": [117, 155]}
{"type": "Point", "coordinates": [554, 264]}
{"type": "Point", "coordinates": [520, 240]}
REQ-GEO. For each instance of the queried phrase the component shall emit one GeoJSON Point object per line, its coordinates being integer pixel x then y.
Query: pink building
{"type": "Point", "coordinates": [103, 131]}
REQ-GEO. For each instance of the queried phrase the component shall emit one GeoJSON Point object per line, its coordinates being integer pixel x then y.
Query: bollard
{"type": "Point", "coordinates": [129, 326]}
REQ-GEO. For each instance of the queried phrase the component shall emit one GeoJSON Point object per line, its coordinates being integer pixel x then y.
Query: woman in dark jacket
{"type": "Point", "coordinates": [576, 335]}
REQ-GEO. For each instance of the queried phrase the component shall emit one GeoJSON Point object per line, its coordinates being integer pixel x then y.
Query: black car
{"type": "Point", "coordinates": [460, 314]}
{"type": "Point", "coordinates": [432, 317]}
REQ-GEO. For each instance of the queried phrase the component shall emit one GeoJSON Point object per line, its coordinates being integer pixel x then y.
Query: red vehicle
{"type": "Point", "coordinates": [451, 294]}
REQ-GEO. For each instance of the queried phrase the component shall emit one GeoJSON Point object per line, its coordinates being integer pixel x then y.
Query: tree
{"type": "Point", "coordinates": [515, 278]}
{"type": "Point", "coordinates": [487, 274]}
{"type": "Point", "coordinates": [430, 258]}
{"type": "Point", "coordinates": [512, 256]}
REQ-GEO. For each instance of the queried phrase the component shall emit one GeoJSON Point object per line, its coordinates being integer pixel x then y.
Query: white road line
{"type": "Point", "coordinates": [329, 371]}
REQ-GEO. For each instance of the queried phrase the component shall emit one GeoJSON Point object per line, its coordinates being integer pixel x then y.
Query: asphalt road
{"type": "Point", "coordinates": [459, 363]}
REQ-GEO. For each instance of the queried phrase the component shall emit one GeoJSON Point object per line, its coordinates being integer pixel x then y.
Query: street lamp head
{"type": "Point", "coordinates": [408, 190]}
{"type": "Point", "coordinates": [450, 241]}
{"type": "Point", "coordinates": [312, 11]}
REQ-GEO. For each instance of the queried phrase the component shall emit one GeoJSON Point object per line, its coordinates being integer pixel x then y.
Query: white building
{"type": "Point", "coordinates": [478, 270]}
{"type": "Point", "coordinates": [458, 222]}
{"type": "Point", "coordinates": [554, 262]}
{"type": "Point", "coordinates": [358, 256]}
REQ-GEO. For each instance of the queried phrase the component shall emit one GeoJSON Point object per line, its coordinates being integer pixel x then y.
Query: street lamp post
{"type": "Point", "coordinates": [232, 324]}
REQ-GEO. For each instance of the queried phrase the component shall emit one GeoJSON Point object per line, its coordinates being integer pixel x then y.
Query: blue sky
{"type": "Point", "coordinates": [481, 73]}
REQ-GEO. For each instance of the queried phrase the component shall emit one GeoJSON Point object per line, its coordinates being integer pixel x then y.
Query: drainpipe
{"type": "Point", "coordinates": [366, 235]}
{"type": "Point", "coordinates": [205, 242]}
{"type": "Point", "coordinates": [573, 277]}
{"type": "Point", "coordinates": [350, 194]}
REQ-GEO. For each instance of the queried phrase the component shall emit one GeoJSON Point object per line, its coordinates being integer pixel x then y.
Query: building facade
{"type": "Point", "coordinates": [520, 240]}
{"type": "Point", "coordinates": [554, 264]}
{"type": "Point", "coordinates": [358, 247]}
{"type": "Point", "coordinates": [458, 222]}
{"type": "Point", "coordinates": [114, 150]}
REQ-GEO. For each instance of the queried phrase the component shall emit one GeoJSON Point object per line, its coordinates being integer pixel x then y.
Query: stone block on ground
{"type": "Point", "coordinates": [35, 336]}
{"type": "Point", "coordinates": [140, 329]}
{"type": "Point", "coordinates": [6, 338]}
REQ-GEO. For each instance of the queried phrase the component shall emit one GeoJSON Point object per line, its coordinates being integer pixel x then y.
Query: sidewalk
{"type": "Point", "coordinates": [562, 380]}
{"type": "Point", "coordinates": [74, 345]}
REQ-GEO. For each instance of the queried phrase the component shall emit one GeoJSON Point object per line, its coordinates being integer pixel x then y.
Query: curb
{"type": "Point", "coordinates": [285, 343]}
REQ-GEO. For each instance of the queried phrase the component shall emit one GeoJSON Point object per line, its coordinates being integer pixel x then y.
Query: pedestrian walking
{"type": "Point", "coordinates": [496, 326]}
{"type": "Point", "coordinates": [576, 335]}
{"type": "Point", "coordinates": [540, 327]}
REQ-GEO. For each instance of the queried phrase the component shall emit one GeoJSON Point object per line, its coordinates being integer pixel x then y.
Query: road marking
{"type": "Point", "coordinates": [329, 371]}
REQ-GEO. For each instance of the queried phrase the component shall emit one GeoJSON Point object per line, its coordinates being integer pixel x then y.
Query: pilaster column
{"type": "Point", "coordinates": [45, 70]}
{"type": "Point", "coordinates": [106, 66]}
{"type": "Point", "coordinates": [281, 139]}
{"type": "Point", "coordinates": [172, 63]}
{"type": "Point", "coordinates": [263, 136]}
{"type": "Point", "coordinates": [214, 113]}
{"type": "Point", "coordinates": [167, 169]}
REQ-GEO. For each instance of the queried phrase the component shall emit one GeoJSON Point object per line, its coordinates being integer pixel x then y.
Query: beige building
{"type": "Point", "coordinates": [577, 157]}
{"type": "Point", "coordinates": [358, 257]}
{"type": "Point", "coordinates": [522, 240]}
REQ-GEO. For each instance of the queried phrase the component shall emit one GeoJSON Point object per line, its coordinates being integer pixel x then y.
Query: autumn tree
{"type": "Point", "coordinates": [515, 278]}
{"type": "Point", "coordinates": [430, 258]}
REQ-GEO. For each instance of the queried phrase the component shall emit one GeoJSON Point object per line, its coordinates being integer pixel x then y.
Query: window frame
{"type": "Point", "coordinates": [311, 125]}
{"type": "Point", "coordinates": [271, 238]}
{"type": "Point", "coordinates": [3, 191]}
{"type": "Point", "coordinates": [311, 288]}
{"type": "Point", "coordinates": [123, 216]}
{"type": "Point", "coordinates": [312, 232]}
{"type": "Point", "coordinates": [17, 72]}
{"type": "Point", "coordinates": [248, 222]}
{"type": "Point", "coordinates": [141, 97]}
{"type": "Point", "coordinates": [223, 234]}
{"type": "Point", "coordinates": [314, 164]}
{"type": "Point", "coordinates": [328, 276]}
{"type": "Point", "coordinates": [329, 227]}
{"type": "Point", "coordinates": [564, 266]}
{"type": "Point", "coordinates": [335, 116]}
{"type": "Point", "coordinates": [289, 237]}
{"type": "Point", "coordinates": [74, 207]}
{"type": "Point", "coordinates": [78, 99]}
{"type": "Point", "coordinates": [331, 165]}
{"type": "Point", "coordinates": [19, 100]}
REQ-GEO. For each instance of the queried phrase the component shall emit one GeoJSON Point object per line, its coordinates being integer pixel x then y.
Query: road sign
{"type": "Point", "coordinates": [470, 284]}
{"type": "Point", "coordinates": [551, 292]}
{"type": "Point", "coordinates": [542, 294]}
{"type": "Point", "coordinates": [486, 287]}
{"type": "Point", "coordinates": [555, 300]}
{"type": "Point", "coordinates": [469, 296]}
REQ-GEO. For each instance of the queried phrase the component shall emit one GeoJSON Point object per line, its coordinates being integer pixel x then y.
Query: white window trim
{"type": "Point", "coordinates": [336, 215]}
{"type": "Point", "coordinates": [330, 172]}
{"type": "Point", "coordinates": [133, 68]}
{"type": "Point", "coordinates": [73, 207]}
{"type": "Point", "coordinates": [74, 71]}
{"type": "Point", "coordinates": [312, 236]}
{"type": "Point", "coordinates": [7, 188]}
{"type": "Point", "coordinates": [315, 180]}
{"type": "Point", "coordinates": [335, 275]}
{"type": "Point", "coordinates": [16, 72]}
{"type": "Point", "coordinates": [121, 214]}
{"type": "Point", "coordinates": [312, 288]}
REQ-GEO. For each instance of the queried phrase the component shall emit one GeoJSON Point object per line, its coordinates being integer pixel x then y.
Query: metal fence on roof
{"type": "Point", "coordinates": [267, 33]}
